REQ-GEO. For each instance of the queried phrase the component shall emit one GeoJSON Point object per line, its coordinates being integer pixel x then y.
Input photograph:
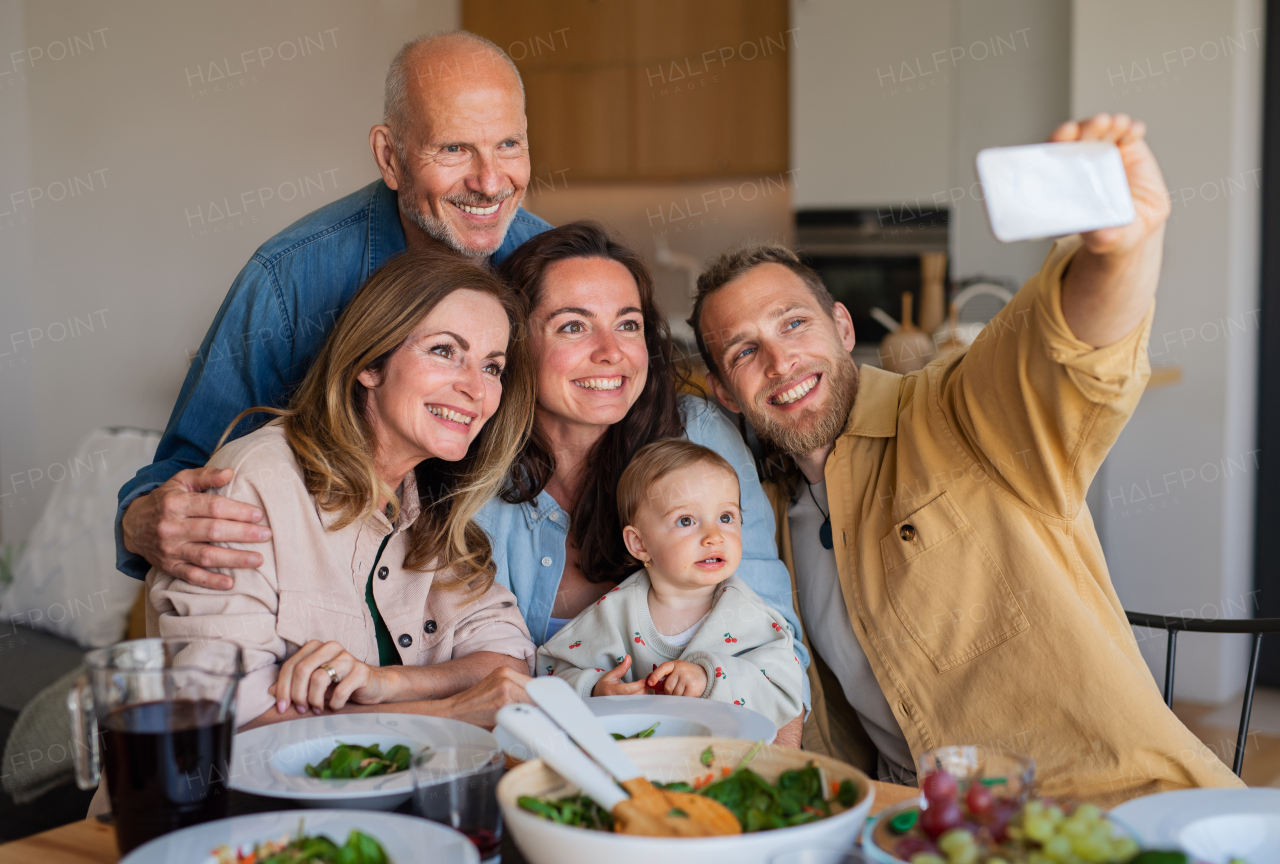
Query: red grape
{"type": "Point", "coordinates": [941, 818]}
{"type": "Point", "coordinates": [908, 846]}
{"type": "Point", "coordinates": [1002, 813]}
{"type": "Point", "coordinates": [939, 787]}
{"type": "Point", "coordinates": [979, 799]}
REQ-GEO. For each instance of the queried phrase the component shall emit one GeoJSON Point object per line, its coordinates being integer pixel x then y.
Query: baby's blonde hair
{"type": "Point", "coordinates": [656, 460]}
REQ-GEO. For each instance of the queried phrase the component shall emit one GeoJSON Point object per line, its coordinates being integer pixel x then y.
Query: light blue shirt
{"type": "Point", "coordinates": [529, 539]}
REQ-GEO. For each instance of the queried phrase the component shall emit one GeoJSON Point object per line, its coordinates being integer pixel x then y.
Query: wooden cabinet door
{"type": "Point", "coordinates": [635, 90]}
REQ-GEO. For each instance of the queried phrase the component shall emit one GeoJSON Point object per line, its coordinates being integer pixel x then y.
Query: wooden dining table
{"type": "Point", "coordinates": [92, 842]}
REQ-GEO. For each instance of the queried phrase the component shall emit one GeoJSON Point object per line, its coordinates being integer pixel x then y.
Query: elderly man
{"type": "Point", "coordinates": [948, 572]}
{"type": "Point", "coordinates": [454, 158]}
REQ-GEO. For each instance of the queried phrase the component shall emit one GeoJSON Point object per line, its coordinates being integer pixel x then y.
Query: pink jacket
{"type": "Point", "coordinates": [312, 583]}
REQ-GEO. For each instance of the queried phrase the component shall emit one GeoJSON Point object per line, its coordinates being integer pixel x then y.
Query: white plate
{"type": "Point", "coordinates": [271, 760]}
{"type": "Point", "coordinates": [1214, 825]}
{"type": "Point", "coordinates": [675, 716]}
{"type": "Point", "coordinates": [402, 837]}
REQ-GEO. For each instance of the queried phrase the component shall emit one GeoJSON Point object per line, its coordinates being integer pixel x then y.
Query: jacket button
{"type": "Point", "coordinates": [405, 640]}
{"type": "Point", "coordinates": [908, 533]}
{"type": "Point", "coordinates": [554, 517]}
{"type": "Point", "coordinates": [429, 627]}
{"type": "Point", "coordinates": [546, 560]}
{"type": "Point", "coordinates": [904, 708]}
{"type": "Point", "coordinates": [382, 572]}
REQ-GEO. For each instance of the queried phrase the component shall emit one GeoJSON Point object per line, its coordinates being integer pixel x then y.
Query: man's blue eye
{"type": "Point", "coordinates": [453, 148]}
{"type": "Point", "coordinates": [744, 352]}
{"type": "Point", "coordinates": [791, 325]}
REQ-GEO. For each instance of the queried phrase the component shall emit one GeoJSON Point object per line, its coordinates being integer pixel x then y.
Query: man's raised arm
{"type": "Point", "coordinates": [167, 518]}
{"type": "Point", "coordinates": [1110, 283]}
{"type": "Point", "coordinates": [1046, 388]}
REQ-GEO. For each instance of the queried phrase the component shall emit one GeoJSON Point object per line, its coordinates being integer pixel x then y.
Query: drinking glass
{"type": "Point", "coordinates": [1010, 776]}
{"type": "Point", "coordinates": [156, 717]}
{"type": "Point", "coordinates": [458, 787]}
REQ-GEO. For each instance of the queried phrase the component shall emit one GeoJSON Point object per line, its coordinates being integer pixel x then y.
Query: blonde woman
{"type": "Point", "coordinates": [376, 585]}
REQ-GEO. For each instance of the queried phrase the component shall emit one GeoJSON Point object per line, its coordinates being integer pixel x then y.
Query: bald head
{"type": "Point", "coordinates": [455, 145]}
{"type": "Point", "coordinates": [441, 62]}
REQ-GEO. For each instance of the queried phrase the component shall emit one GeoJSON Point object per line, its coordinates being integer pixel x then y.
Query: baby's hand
{"type": "Point", "coordinates": [682, 679]}
{"type": "Point", "coordinates": [611, 683]}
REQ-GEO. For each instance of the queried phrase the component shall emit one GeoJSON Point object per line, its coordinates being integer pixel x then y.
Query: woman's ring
{"type": "Point", "coordinates": [333, 673]}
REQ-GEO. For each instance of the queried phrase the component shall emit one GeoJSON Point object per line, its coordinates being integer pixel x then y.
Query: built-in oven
{"type": "Point", "coordinates": [868, 258]}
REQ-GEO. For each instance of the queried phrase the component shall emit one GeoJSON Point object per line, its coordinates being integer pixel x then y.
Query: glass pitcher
{"type": "Point", "coordinates": [156, 716]}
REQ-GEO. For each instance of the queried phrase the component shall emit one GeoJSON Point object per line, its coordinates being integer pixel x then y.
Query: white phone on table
{"type": "Point", "coordinates": [1048, 190]}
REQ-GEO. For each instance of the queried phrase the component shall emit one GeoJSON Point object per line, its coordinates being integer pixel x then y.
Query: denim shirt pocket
{"type": "Point", "coordinates": [945, 586]}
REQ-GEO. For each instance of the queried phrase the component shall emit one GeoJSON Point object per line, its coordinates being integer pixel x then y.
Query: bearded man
{"type": "Point", "coordinates": [948, 573]}
{"type": "Point", "coordinates": [454, 157]}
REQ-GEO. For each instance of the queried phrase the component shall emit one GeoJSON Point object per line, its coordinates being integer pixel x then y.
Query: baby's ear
{"type": "Point", "coordinates": [634, 543]}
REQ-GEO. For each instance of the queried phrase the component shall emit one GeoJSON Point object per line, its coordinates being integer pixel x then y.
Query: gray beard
{"type": "Point", "coordinates": [814, 431]}
{"type": "Point", "coordinates": [441, 230]}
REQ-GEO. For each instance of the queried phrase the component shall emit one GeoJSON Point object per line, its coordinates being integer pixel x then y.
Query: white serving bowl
{"type": "Point", "coordinates": [667, 760]}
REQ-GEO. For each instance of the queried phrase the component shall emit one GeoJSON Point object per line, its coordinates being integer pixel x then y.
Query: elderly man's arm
{"type": "Point", "coordinates": [1109, 285]}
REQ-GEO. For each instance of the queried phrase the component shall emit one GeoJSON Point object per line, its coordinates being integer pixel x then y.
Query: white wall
{"type": "Point", "coordinates": [870, 109]}
{"type": "Point", "coordinates": [892, 101]}
{"type": "Point", "coordinates": [142, 257]}
{"type": "Point", "coordinates": [1014, 95]}
{"type": "Point", "coordinates": [1178, 511]}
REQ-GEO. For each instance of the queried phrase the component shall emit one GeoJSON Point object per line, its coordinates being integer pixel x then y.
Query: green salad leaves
{"type": "Point", "coordinates": [352, 762]}
{"type": "Point", "coordinates": [797, 798]}
{"type": "Point", "coordinates": [643, 733]}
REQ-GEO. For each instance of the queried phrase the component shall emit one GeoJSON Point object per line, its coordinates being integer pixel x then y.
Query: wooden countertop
{"type": "Point", "coordinates": [91, 842]}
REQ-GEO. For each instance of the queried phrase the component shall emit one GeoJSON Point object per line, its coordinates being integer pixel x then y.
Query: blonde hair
{"type": "Point", "coordinates": [330, 435]}
{"type": "Point", "coordinates": [654, 461]}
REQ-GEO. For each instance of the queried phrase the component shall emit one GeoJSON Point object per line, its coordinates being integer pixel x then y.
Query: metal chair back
{"type": "Point", "coordinates": [1255, 627]}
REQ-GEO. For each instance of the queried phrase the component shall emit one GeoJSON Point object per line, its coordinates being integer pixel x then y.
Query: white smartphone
{"type": "Point", "coordinates": [1048, 190]}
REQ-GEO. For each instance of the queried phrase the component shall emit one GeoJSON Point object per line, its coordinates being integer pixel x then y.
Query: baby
{"type": "Point", "coordinates": [684, 625]}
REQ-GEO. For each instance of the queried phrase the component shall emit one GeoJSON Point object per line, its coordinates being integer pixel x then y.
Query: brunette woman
{"type": "Point", "coordinates": [607, 384]}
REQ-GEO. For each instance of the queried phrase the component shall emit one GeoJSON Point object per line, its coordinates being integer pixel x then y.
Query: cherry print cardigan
{"type": "Point", "coordinates": [745, 647]}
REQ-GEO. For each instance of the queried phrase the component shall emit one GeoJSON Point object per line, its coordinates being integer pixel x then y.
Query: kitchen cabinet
{"type": "Point", "coordinates": [624, 90]}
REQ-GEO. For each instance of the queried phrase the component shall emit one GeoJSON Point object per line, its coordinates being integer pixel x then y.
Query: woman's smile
{"type": "Point", "coordinates": [602, 384]}
{"type": "Point", "coordinates": [452, 418]}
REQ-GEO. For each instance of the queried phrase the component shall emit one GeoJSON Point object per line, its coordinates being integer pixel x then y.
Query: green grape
{"type": "Point", "coordinates": [1058, 848]}
{"type": "Point", "coordinates": [1092, 848]}
{"type": "Point", "coordinates": [927, 858]}
{"type": "Point", "coordinates": [1123, 848]}
{"type": "Point", "coordinates": [955, 840]}
{"type": "Point", "coordinates": [959, 846]}
{"type": "Point", "coordinates": [1074, 827]}
{"type": "Point", "coordinates": [1054, 814]}
{"type": "Point", "coordinates": [1088, 813]}
{"type": "Point", "coordinates": [997, 860]}
{"type": "Point", "coordinates": [1037, 828]}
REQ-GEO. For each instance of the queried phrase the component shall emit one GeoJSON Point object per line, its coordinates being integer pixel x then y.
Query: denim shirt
{"type": "Point", "coordinates": [529, 539]}
{"type": "Point", "coordinates": [272, 324]}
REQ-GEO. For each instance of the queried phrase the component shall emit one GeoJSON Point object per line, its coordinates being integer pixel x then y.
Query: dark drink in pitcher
{"type": "Point", "coordinates": [166, 766]}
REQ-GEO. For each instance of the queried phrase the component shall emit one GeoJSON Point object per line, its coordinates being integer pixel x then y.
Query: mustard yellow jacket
{"type": "Point", "coordinates": [971, 569]}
